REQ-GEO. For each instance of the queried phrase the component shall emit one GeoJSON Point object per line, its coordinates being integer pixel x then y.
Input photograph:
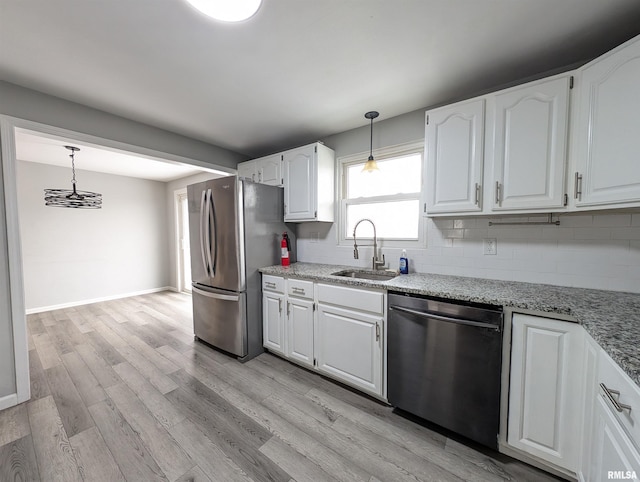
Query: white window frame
{"type": "Point", "coordinates": [346, 239]}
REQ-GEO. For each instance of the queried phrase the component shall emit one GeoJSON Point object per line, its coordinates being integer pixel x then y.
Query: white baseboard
{"type": "Point", "coordinates": [8, 401]}
{"type": "Point", "coordinates": [40, 309]}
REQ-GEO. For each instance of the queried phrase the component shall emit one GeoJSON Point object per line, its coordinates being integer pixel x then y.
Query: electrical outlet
{"type": "Point", "coordinates": [490, 246]}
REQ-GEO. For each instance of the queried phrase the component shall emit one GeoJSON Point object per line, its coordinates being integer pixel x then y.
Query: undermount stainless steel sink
{"type": "Point", "coordinates": [379, 276]}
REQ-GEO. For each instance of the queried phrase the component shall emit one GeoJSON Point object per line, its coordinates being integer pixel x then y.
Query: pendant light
{"type": "Point", "coordinates": [64, 198]}
{"type": "Point", "coordinates": [371, 165]}
{"type": "Point", "coordinates": [227, 10]}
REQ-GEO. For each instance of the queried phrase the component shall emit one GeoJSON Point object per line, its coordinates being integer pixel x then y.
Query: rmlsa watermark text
{"type": "Point", "coordinates": [622, 475]}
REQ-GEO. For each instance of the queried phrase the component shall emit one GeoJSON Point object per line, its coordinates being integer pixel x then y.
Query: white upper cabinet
{"type": "Point", "coordinates": [309, 183]}
{"type": "Point", "coordinates": [248, 170]}
{"type": "Point", "coordinates": [265, 170]}
{"type": "Point", "coordinates": [607, 136]}
{"type": "Point", "coordinates": [530, 145]}
{"type": "Point", "coordinates": [270, 170]}
{"type": "Point", "coordinates": [454, 139]}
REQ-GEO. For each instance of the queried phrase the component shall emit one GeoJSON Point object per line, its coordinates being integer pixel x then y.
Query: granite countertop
{"type": "Point", "coordinates": [612, 318]}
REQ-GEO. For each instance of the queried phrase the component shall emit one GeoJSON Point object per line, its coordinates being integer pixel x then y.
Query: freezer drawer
{"type": "Point", "coordinates": [220, 319]}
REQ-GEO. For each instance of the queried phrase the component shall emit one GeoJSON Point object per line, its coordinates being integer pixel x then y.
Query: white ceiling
{"type": "Point", "coordinates": [299, 70]}
{"type": "Point", "coordinates": [36, 147]}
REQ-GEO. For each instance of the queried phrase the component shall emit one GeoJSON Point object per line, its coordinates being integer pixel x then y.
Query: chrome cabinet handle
{"type": "Point", "coordinates": [477, 195]}
{"type": "Point", "coordinates": [498, 192]}
{"type": "Point", "coordinates": [279, 305]}
{"type": "Point", "coordinates": [577, 191]}
{"type": "Point", "coordinates": [295, 289]}
{"type": "Point", "coordinates": [616, 404]}
{"type": "Point", "coordinates": [377, 331]}
{"type": "Point", "coordinates": [270, 284]}
{"type": "Point", "coordinates": [288, 309]}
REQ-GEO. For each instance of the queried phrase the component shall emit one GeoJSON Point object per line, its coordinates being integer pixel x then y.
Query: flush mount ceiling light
{"type": "Point", "coordinates": [64, 198]}
{"type": "Point", "coordinates": [227, 10]}
{"type": "Point", "coordinates": [371, 165]}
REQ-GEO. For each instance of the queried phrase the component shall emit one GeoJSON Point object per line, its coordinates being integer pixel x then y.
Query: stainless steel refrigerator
{"type": "Point", "coordinates": [235, 228]}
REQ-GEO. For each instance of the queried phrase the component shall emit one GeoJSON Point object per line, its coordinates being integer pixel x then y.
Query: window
{"type": "Point", "coordinates": [389, 197]}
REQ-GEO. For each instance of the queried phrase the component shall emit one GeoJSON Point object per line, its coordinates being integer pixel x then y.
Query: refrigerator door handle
{"type": "Point", "coordinates": [203, 232]}
{"type": "Point", "coordinates": [213, 245]}
{"type": "Point", "coordinates": [217, 296]}
{"type": "Point", "coordinates": [208, 200]}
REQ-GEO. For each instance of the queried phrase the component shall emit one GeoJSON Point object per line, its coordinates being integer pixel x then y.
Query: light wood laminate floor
{"type": "Point", "coordinates": [120, 391]}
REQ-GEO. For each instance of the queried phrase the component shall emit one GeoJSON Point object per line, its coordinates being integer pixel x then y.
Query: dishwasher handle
{"type": "Point", "coordinates": [448, 319]}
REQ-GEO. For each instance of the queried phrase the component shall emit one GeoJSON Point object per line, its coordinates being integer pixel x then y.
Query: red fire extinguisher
{"type": "Point", "coordinates": [285, 248]}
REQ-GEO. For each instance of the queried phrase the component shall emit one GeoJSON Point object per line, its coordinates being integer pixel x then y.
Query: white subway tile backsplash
{"type": "Point", "coordinates": [515, 232]}
{"type": "Point", "coordinates": [592, 251]}
{"type": "Point", "coordinates": [612, 220]}
{"type": "Point", "coordinates": [625, 233]}
{"type": "Point", "coordinates": [557, 232]}
{"type": "Point", "coordinates": [576, 221]}
{"type": "Point", "coordinates": [592, 233]}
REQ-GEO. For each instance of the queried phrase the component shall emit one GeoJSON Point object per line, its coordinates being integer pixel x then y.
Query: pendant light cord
{"type": "Point", "coordinates": [73, 169]}
{"type": "Point", "coordinates": [371, 141]}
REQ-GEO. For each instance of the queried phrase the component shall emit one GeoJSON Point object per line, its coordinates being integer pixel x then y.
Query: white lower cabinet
{"type": "Point", "coordinates": [349, 347]}
{"type": "Point", "coordinates": [336, 330]}
{"type": "Point", "coordinates": [349, 334]}
{"type": "Point", "coordinates": [545, 378]}
{"type": "Point", "coordinates": [614, 444]}
{"type": "Point", "coordinates": [299, 322]}
{"type": "Point", "coordinates": [613, 455]}
{"type": "Point", "coordinates": [273, 333]}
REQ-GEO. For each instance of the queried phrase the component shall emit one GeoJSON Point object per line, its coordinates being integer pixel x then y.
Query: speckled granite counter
{"type": "Point", "coordinates": [612, 318]}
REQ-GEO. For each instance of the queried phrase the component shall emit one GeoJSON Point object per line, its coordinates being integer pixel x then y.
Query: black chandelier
{"type": "Point", "coordinates": [64, 198]}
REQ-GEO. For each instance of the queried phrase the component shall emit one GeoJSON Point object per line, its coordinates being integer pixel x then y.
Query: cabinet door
{"type": "Point", "coordinates": [248, 170]}
{"type": "Point", "coordinates": [608, 169]}
{"type": "Point", "coordinates": [270, 170]}
{"type": "Point", "coordinates": [300, 184]}
{"type": "Point", "coordinates": [613, 455]}
{"type": "Point", "coordinates": [454, 157]}
{"type": "Point", "coordinates": [590, 369]}
{"type": "Point", "coordinates": [300, 331]}
{"type": "Point", "coordinates": [530, 145]}
{"type": "Point", "coordinates": [273, 333]}
{"type": "Point", "coordinates": [349, 347]}
{"type": "Point", "coordinates": [544, 404]}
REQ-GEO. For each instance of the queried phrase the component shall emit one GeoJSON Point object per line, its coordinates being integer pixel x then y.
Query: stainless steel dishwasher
{"type": "Point", "coordinates": [444, 362]}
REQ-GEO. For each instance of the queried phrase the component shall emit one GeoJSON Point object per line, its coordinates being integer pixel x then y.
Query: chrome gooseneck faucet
{"type": "Point", "coordinates": [377, 263]}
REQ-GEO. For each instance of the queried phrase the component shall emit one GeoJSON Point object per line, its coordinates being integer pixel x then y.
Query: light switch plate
{"type": "Point", "coordinates": [490, 246]}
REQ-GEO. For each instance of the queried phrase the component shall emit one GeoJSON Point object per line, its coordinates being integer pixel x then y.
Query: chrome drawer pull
{"type": "Point", "coordinates": [610, 393]}
{"type": "Point", "coordinates": [297, 290]}
{"type": "Point", "coordinates": [270, 284]}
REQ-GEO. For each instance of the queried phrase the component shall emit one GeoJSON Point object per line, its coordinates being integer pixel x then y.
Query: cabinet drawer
{"type": "Point", "coordinates": [354, 298]}
{"type": "Point", "coordinates": [300, 289]}
{"type": "Point", "coordinates": [272, 283]}
{"type": "Point", "coordinates": [613, 378]}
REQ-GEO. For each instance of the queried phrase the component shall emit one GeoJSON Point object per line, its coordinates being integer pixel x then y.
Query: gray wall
{"type": "Point", "coordinates": [76, 255]}
{"type": "Point", "coordinates": [386, 132]}
{"type": "Point", "coordinates": [35, 106]}
{"type": "Point", "coordinates": [7, 367]}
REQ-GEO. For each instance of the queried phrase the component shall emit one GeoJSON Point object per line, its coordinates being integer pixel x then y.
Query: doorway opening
{"type": "Point", "coordinates": [183, 247]}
